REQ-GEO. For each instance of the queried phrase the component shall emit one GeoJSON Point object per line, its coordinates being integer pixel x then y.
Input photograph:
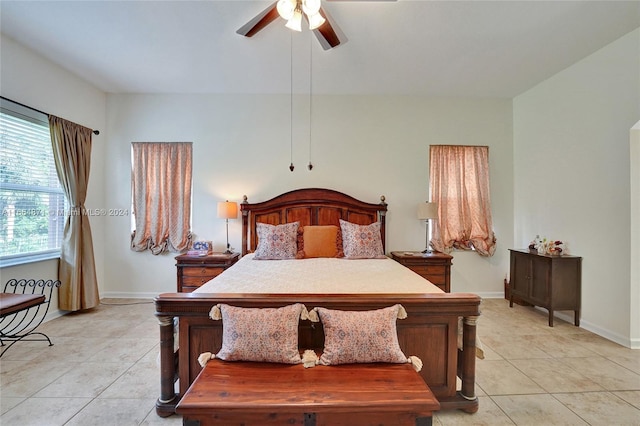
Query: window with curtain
{"type": "Point", "coordinates": [161, 196]}
{"type": "Point", "coordinates": [31, 197]}
{"type": "Point", "coordinates": [459, 183]}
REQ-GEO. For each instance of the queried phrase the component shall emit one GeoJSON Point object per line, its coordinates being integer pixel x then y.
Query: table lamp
{"type": "Point", "coordinates": [227, 210]}
{"type": "Point", "coordinates": [428, 211]}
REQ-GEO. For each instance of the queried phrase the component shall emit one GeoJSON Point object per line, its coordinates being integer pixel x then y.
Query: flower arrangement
{"type": "Point", "coordinates": [545, 246]}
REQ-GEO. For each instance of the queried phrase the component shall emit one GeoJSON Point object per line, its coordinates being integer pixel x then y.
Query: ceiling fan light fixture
{"type": "Point", "coordinates": [295, 23]}
{"type": "Point", "coordinates": [286, 8]}
{"type": "Point", "coordinates": [316, 21]}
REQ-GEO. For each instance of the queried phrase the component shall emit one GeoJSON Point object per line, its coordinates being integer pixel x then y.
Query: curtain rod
{"type": "Point", "coordinates": [95, 132]}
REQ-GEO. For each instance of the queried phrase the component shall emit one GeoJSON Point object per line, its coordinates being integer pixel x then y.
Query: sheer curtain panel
{"type": "Point", "coordinates": [161, 189]}
{"type": "Point", "coordinates": [459, 183]}
{"type": "Point", "coordinates": [77, 271]}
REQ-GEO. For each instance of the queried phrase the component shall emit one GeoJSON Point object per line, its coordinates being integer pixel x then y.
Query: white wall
{"type": "Point", "coordinates": [572, 176]}
{"type": "Point", "coordinates": [365, 146]}
{"type": "Point", "coordinates": [27, 78]}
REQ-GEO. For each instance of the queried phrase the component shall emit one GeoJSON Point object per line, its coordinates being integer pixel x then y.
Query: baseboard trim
{"type": "Point", "coordinates": [126, 295]}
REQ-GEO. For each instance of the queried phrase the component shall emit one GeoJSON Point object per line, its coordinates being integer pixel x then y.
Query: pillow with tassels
{"type": "Point", "coordinates": [258, 334]}
{"type": "Point", "coordinates": [362, 336]}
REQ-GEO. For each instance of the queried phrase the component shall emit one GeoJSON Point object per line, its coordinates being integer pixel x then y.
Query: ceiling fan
{"type": "Point", "coordinates": [327, 32]}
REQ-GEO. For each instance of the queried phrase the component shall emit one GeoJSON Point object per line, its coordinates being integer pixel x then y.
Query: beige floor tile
{"type": "Point", "coordinates": [513, 347]}
{"type": "Point", "coordinates": [602, 346]}
{"type": "Point", "coordinates": [153, 419]}
{"type": "Point", "coordinates": [7, 403]}
{"type": "Point", "coordinates": [70, 350]}
{"type": "Point", "coordinates": [601, 408]}
{"type": "Point", "coordinates": [557, 345]}
{"type": "Point", "coordinates": [536, 410]}
{"type": "Point", "coordinates": [87, 379]}
{"type": "Point", "coordinates": [554, 376]}
{"type": "Point", "coordinates": [139, 381]}
{"type": "Point", "coordinates": [632, 397]}
{"type": "Point", "coordinates": [629, 359]}
{"type": "Point", "coordinates": [608, 374]}
{"type": "Point", "coordinates": [25, 378]}
{"type": "Point", "coordinates": [110, 412]}
{"type": "Point", "coordinates": [43, 411]}
{"type": "Point", "coordinates": [127, 350]}
{"type": "Point", "coordinates": [502, 378]}
{"type": "Point", "coordinates": [489, 414]}
{"type": "Point", "coordinates": [26, 350]}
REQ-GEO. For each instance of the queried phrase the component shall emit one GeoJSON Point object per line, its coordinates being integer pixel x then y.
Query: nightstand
{"type": "Point", "coordinates": [193, 271]}
{"type": "Point", "coordinates": [435, 266]}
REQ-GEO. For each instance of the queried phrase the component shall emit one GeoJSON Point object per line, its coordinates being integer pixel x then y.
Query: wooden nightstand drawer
{"type": "Point", "coordinates": [196, 281]}
{"type": "Point", "coordinates": [202, 271]}
{"type": "Point", "coordinates": [428, 270]}
{"type": "Point", "coordinates": [435, 267]}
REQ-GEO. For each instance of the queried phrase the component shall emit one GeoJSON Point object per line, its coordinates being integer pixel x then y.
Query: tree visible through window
{"type": "Point", "coordinates": [31, 198]}
{"type": "Point", "coordinates": [459, 183]}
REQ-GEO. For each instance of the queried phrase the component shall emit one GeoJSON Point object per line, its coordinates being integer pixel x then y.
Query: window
{"type": "Point", "coordinates": [31, 198]}
{"type": "Point", "coordinates": [459, 183]}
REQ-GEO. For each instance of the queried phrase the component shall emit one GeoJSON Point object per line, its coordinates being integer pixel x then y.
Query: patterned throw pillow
{"type": "Point", "coordinates": [361, 241]}
{"type": "Point", "coordinates": [360, 336]}
{"type": "Point", "coordinates": [276, 241]}
{"type": "Point", "coordinates": [261, 334]}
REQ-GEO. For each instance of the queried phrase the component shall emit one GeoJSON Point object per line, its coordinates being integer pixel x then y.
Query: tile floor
{"type": "Point", "coordinates": [102, 370]}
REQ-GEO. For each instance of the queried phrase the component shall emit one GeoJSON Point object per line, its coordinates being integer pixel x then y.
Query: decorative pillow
{"type": "Point", "coordinates": [276, 241]}
{"type": "Point", "coordinates": [260, 334]}
{"type": "Point", "coordinates": [361, 336]}
{"type": "Point", "coordinates": [361, 241]}
{"type": "Point", "coordinates": [319, 241]}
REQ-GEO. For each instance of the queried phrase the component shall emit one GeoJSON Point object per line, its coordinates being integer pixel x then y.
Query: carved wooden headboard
{"type": "Point", "coordinates": [310, 206]}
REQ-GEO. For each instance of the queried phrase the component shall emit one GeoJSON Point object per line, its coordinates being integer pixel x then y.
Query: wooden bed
{"type": "Point", "coordinates": [429, 332]}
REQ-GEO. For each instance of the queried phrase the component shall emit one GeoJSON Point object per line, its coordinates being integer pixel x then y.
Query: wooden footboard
{"type": "Point", "coordinates": [430, 332]}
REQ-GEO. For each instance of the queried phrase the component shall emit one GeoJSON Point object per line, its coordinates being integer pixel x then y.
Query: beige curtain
{"type": "Point", "coordinates": [459, 183]}
{"type": "Point", "coordinates": [77, 271]}
{"type": "Point", "coordinates": [161, 189]}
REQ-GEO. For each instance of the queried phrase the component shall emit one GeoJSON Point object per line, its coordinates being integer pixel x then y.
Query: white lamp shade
{"type": "Point", "coordinates": [227, 210]}
{"type": "Point", "coordinates": [295, 23]}
{"type": "Point", "coordinates": [285, 8]}
{"type": "Point", "coordinates": [310, 7]}
{"type": "Point", "coordinates": [427, 211]}
{"type": "Point", "coordinates": [315, 21]}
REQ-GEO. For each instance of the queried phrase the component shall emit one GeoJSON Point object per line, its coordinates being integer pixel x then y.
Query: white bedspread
{"type": "Point", "coordinates": [314, 276]}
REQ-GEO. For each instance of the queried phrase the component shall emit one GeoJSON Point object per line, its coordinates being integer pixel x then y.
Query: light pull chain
{"type": "Point", "coordinates": [310, 166]}
{"type": "Point", "coordinates": [291, 167]}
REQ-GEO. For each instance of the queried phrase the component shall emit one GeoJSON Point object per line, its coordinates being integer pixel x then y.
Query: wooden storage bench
{"type": "Point", "coordinates": [253, 393]}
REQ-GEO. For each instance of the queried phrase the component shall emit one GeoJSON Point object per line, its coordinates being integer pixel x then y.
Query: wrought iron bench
{"type": "Point", "coordinates": [24, 304]}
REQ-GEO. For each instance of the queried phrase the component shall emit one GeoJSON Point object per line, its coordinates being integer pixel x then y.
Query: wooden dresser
{"type": "Point", "coordinates": [552, 282]}
{"type": "Point", "coordinates": [193, 271]}
{"type": "Point", "coordinates": [434, 266]}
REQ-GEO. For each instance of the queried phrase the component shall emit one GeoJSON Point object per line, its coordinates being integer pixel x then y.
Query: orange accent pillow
{"type": "Point", "coordinates": [320, 241]}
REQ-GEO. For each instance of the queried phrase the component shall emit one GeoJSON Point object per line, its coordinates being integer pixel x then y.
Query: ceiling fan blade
{"type": "Point", "coordinates": [329, 34]}
{"type": "Point", "coordinates": [261, 20]}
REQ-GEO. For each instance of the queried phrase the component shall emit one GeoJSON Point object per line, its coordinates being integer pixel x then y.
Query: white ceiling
{"type": "Point", "coordinates": [439, 48]}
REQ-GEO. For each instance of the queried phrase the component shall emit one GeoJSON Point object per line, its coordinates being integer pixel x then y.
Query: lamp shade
{"type": "Point", "coordinates": [227, 210]}
{"type": "Point", "coordinates": [427, 211]}
{"type": "Point", "coordinates": [295, 23]}
{"type": "Point", "coordinates": [315, 21]}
